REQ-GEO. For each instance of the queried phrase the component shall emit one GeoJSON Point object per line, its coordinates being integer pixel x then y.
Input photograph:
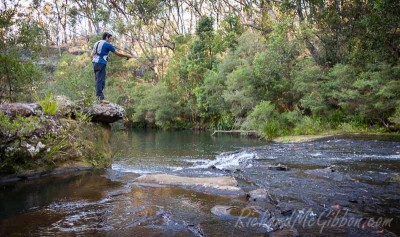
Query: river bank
{"type": "Point", "coordinates": [338, 135]}
{"type": "Point", "coordinates": [295, 138]}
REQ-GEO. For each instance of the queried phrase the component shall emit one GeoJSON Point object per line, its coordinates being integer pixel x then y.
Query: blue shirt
{"type": "Point", "coordinates": [103, 49]}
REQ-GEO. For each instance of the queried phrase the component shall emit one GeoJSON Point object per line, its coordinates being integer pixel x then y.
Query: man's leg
{"type": "Point", "coordinates": [100, 75]}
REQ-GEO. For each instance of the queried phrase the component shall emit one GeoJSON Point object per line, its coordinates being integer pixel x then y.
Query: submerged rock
{"type": "Point", "coordinates": [225, 183]}
{"type": "Point", "coordinates": [231, 211]}
{"type": "Point", "coordinates": [285, 232]}
{"type": "Point", "coordinates": [328, 173]}
{"type": "Point", "coordinates": [278, 167]}
{"type": "Point", "coordinates": [258, 195]}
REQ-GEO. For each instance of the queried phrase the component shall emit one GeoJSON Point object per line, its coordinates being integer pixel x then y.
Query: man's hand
{"type": "Point", "coordinates": [125, 55]}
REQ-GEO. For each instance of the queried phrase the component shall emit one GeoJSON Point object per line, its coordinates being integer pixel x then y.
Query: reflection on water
{"type": "Point", "coordinates": [361, 177]}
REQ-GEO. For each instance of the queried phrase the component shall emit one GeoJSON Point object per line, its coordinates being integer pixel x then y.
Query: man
{"type": "Point", "coordinates": [99, 56]}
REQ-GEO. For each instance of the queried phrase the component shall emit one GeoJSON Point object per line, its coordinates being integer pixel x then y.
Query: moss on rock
{"type": "Point", "coordinates": [37, 144]}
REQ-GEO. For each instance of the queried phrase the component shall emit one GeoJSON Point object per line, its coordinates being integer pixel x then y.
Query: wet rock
{"type": "Point", "coordinates": [286, 232]}
{"type": "Point", "coordinates": [328, 173]}
{"type": "Point", "coordinates": [33, 174]}
{"type": "Point", "coordinates": [105, 113]}
{"type": "Point", "coordinates": [231, 211]}
{"type": "Point", "coordinates": [21, 109]}
{"type": "Point", "coordinates": [258, 195]}
{"type": "Point", "coordinates": [196, 230]}
{"type": "Point", "coordinates": [221, 210]}
{"type": "Point", "coordinates": [286, 212]}
{"type": "Point", "coordinates": [278, 167]}
{"type": "Point", "coordinates": [224, 183]}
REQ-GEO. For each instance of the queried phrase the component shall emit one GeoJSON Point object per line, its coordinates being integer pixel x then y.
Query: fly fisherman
{"type": "Point", "coordinates": [99, 56]}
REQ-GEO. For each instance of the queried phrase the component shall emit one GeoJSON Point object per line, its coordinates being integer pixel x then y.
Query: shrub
{"type": "Point", "coordinates": [272, 129]}
{"type": "Point", "coordinates": [73, 78]}
{"type": "Point", "coordinates": [395, 118]}
{"type": "Point", "coordinates": [262, 114]}
{"type": "Point", "coordinates": [308, 126]}
{"type": "Point", "coordinates": [158, 106]}
{"type": "Point", "coordinates": [239, 94]}
{"type": "Point", "coordinates": [48, 104]}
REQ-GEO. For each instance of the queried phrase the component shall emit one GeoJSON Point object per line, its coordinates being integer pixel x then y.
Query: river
{"type": "Point", "coordinates": [332, 187]}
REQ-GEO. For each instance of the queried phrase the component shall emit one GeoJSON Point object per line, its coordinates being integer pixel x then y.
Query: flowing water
{"type": "Point", "coordinates": [333, 187]}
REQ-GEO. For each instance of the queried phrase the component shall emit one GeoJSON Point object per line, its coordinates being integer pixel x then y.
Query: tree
{"type": "Point", "coordinates": [20, 38]}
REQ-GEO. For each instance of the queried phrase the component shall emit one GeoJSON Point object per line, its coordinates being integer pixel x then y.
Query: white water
{"type": "Point", "coordinates": [228, 161]}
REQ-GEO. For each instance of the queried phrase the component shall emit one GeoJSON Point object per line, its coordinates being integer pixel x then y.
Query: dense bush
{"type": "Point", "coordinates": [20, 42]}
{"type": "Point", "coordinates": [301, 75]}
{"type": "Point", "coordinates": [157, 106]}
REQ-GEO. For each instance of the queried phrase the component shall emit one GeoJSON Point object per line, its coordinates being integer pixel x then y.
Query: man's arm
{"type": "Point", "coordinates": [123, 55]}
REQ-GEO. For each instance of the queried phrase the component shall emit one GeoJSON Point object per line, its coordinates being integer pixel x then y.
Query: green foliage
{"type": "Point", "coordinates": [18, 78]}
{"type": "Point", "coordinates": [157, 106]}
{"type": "Point", "coordinates": [48, 104]}
{"type": "Point", "coordinates": [312, 67]}
{"type": "Point", "coordinates": [273, 66]}
{"type": "Point", "coordinates": [239, 93]}
{"type": "Point", "coordinates": [377, 91]}
{"type": "Point", "coordinates": [232, 88]}
{"type": "Point", "coordinates": [223, 121]}
{"type": "Point", "coordinates": [395, 118]}
{"type": "Point", "coordinates": [262, 114]}
{"type": "Point", "coordinates": [194, 58]}
{"type": "Point", "coordinates": [352, 127]}
{"type": "Point", "coordinates": [40, 143]}
{"type": "Point", "coordinates": [272, 129]}
{"type": "Point", "coordinates": [74, 78]}
{"type": "Point", "coordinates": [22, 37]}
{"type": "Point", "coordinates": [232, 29]}
{"type": "Point", "coordinates": [145, 9]}
{"type": "Point", "coordinates": [82, 117]}
{"type": "Point", "coordinates": [308, 126]}
{"type": "Point", "coordinates": [307, 77]}
{"type": "Point", "coordinates": [18, 127]}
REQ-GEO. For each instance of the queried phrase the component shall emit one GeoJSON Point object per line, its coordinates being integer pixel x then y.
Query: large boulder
{"type": "Point", "coordinates": [21, 109]}
{"type": "Point", "coordinates": [36, 144]}
{"type": "Point", "coordinates": [105, 113]}
{"type": "Point", "coordinates": [66, 107]}
{"type": "Point", "coordinates": [101, 113]}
